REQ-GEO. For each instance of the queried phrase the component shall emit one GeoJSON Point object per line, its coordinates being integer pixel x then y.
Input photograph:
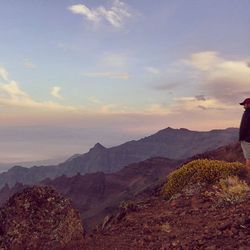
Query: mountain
{"type": "Point", "coordinates": [170, 143]}
{"type": "Point", "coordinates": [5, 166]}
{"type": "Point", "coordinates": [98, 194]}
{"type": "Point", "coordinates": [144, 220]}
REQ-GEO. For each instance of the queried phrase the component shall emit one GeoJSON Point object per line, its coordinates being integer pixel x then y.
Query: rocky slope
{"type": "Point", "coordinates": [189, 221]}
{"type": "Point", "coordinates": [230, 153]}
{"type": "Point", "coordinates": [169, 143]}
{"type": "Point", "coordinates": [40, 218]}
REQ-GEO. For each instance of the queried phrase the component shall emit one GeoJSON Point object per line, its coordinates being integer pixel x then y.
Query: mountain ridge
{"type": "Point", "coordinates": [170, 143]}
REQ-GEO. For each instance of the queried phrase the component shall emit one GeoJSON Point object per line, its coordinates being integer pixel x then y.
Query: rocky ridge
{"type": "Point", "coordinates": [169, 143]}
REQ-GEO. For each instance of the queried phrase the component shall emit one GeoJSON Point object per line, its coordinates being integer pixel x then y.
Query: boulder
{"type": "Point", "coordinates": [40, 218]}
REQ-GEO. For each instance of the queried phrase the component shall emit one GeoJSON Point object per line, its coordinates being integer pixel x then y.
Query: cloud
{"type": "Point", "coordinates": [28, 64]}
{"type": "Point", "coordinates": [55, 92]}
{"type": "Point", "coordinates": [158, 109]}
{"type": "Point", "coordinates": [199, 102]}
{"type": "Point", "coordinates": [153, 70]}
{"type": "Point", "coordinates": [116, 75]}
{"type": "Point", "coordinates": [12, 96]}
{"type": "Point", "coordinates": [200, 97]}
{"type": "Point", "coordinates": [115, 15]}
{"type": "Point", "coordinates": [167, 86]}
{"type": "Point", "coordinates": [91, 15]}
{"type": "Point", "coordinates": [223, 79]}
{"type": "Point", "coordinates": [204, 61]}
{"type": "Point", "coordinates": [114, 60]}
{"type": "Point", "coordinates": [94, 99]}
{"type": "Point", "coordinates": [4, 74]}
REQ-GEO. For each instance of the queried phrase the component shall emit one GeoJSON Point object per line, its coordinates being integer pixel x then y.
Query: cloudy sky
{"type": "Point", "coordinates": [73, 73]}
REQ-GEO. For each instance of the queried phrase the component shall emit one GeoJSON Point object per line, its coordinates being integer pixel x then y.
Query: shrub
{"type": "Point", "coordinates": [200, 171]}
{"type": "Point", "coordinates": [231, 190]}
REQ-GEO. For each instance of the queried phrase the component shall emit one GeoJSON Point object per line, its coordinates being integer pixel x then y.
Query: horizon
{"type": "Point", "coordinates": [66, 157]}
{"type": "Point", "coordinates": [77, 72]}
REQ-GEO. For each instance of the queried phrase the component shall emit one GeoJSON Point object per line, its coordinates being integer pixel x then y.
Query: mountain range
{"type": "Point", "coordinates": [176, 144]}
{"type": "Point", "coordinates": [97, 195]}
{"type": "Point", "coordinates": [144, 220]}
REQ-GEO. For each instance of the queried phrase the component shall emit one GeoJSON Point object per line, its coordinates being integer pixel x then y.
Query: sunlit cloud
{"type": "Point", "coordinates": [207, 60]}
{"type": "Point", "coordinates": [55, 92]}
{"type": "Point", "coordinates": [4, 74]}
{"type": "Point", "coordinates": [116, 75]}
{"type": "Point", "coordinates": [12, 96]}
{"type": "Point", "coordinates": [158, 109]}
{"type": "Point", "coordinates": [115, 15]}
{"type": "Point", "coordinates": [91, 15]}
{"type": "Point", "coordinates": [108, 109]}
{"type": "Point", "coordinates": [223, 79]}
{"type": "Point", "coordinates": [199, 102]}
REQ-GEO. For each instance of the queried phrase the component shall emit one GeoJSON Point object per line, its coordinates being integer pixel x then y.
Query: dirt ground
{"type": "Point", "coordinates": [186, 222]}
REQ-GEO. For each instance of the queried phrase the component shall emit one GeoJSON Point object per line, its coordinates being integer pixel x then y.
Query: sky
{"type": "Point", "coordinates": [77, 72]}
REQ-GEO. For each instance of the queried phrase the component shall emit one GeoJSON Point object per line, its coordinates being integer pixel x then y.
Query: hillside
{"type": "Point", "coordinates": [187, 222]}
{"type": "Point", "coordinates": [231, 152]}
{"type": "Point", "coordinates": [169, 143]}
{"type": "Point", "coordinates": [97, 195]}
{"type": "Point", "coordinates": [203, 205]}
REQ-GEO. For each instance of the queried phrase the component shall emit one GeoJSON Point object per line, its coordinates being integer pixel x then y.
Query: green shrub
{"type": "Point", "coordinates": [200, 171]}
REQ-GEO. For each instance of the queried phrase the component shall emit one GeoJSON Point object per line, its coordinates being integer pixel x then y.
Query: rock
{"type": "Point", "coordinates": [40, 218]}
{"type": "Point", "coordinates": [106, 221]}
{"type": "Point", "coordinates": [146, 230]}
{"type": "Point", "coordinates": [120, 215]}
{"type": "Point", "coordinates": [225, 226]}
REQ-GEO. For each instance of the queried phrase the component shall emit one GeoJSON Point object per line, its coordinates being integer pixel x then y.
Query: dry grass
{"type": "Point", "coordinates": [231, 190]}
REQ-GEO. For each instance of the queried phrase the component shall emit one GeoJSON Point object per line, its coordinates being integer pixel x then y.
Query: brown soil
{"type": "Point", "coordinates": [187, 222]}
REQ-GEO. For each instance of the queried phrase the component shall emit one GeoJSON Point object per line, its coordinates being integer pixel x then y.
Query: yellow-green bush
{"type": "Point", "coordinates": [200, 171]}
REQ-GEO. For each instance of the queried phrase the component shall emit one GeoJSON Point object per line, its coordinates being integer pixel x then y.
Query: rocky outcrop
{"type": "Point", "coordinates": [40, 218]}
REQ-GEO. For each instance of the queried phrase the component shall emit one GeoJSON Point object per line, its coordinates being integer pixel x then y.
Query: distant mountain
{"type": "Point", "coordinates": [6, 166]}
{"type": "Point", "coordinates": [170, 143]}
{"type": "Point", "coordinates": [98, 194]}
